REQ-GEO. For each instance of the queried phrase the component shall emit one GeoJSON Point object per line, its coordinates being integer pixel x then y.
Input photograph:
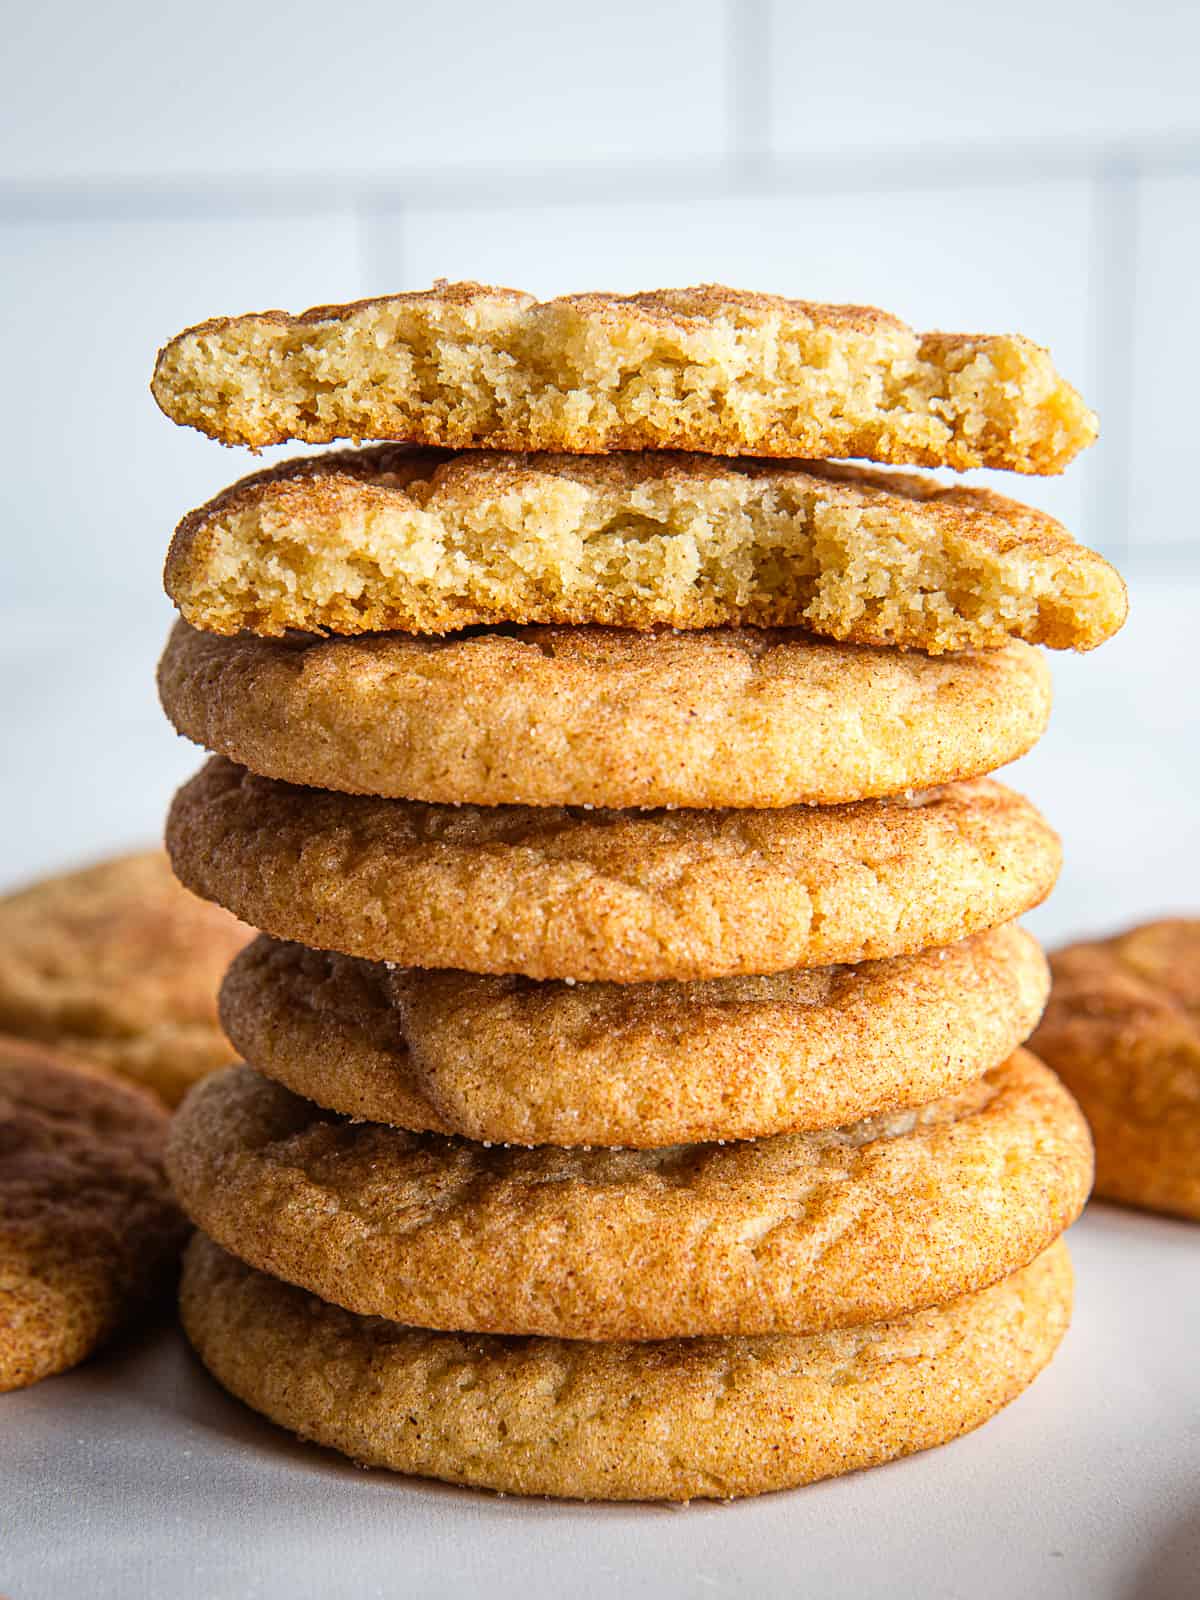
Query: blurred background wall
{"type": "Point", "coordinates": [1034, 169]}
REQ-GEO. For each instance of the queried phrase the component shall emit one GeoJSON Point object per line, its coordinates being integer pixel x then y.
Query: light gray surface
{"type": "Point", "coordinates": [136, 1475]}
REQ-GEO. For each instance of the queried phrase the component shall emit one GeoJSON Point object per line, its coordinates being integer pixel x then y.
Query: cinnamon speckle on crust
{"type": "Point", "coordinates": [676, 1420]}
{"type": "Point", "coordinates": [603, 717]}
{"type": "Point", "coordinates": [1122, 1029]}
{"type": "Point", "coordinates": [511, 1061]}
{"type": "Point", "coordinates": [560, 892]}
{"type": "Point", "coordinates": [796, 1233]}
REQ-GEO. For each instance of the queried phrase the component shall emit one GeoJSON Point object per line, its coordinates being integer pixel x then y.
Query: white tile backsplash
{"type": "Point", "coordinates": [878, 77]}
{"type": "Point", "coordinates": [91, 762]}
{"type": "Point", "coordinates": [138, 89]}
{"type": "Point", "coordinates": [1118, 771]}
{"type": "Point", "coordinates": [99, 476]}
{"type": "Point", "coordinates": [1166, 358]}
{"type": "Point", "coordinates": [140, 144]}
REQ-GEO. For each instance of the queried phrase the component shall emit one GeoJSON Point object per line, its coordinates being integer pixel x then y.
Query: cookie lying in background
{"type": "Point", "coordinates": [89, 1231]}
{"type": "Point", "coordinates": [117, 964]}
{"type": "Point", "coordinates": [1123, 1032]}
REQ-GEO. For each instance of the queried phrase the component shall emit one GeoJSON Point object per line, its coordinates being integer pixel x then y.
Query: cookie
{"type": "Point", "coordinates": [117, 964]}
{"type": "Point", "coordinates": [1123, 1030]}
{"type": "Point", "coordinates": [552, 892]}
{"type": "Point", "coordinates": [364, 541]}
{"type": "Point", "coordinates": [88, 1228]}
{"type": "Point", "coordinates": [675, 1420]}
{"type": "Point", "coordinates": [709, 368]}
{"type": "Point", "coordinates": [510, 1061]}
{"type": "Point", "coordinates": [793, 1234]}
{"type": "Point", "coordinates": [575, 716]}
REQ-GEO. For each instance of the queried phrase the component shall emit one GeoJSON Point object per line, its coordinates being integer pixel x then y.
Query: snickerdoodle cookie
{"type": "Point", "coordinates": [707, 368]}
{"type": "Point", "coordinates": [511, 1061]}
{"type": "Point", "coordinates": [1123, 1031]}
{"type": "Point", "coordinates": [553, 892]}
{"type": "Point", "coordinates": [363, 541]}
{"type": "Point", "coordinates": [603, 717]}
{"type": "Point", "coordinates": [88, 1227]}
{"type": "Point", "coordinates": [792, 1234]}
{"type": "Point", "coordinates": [118, 964]}
{"type": "Point", "coordinates": [676, 1420]}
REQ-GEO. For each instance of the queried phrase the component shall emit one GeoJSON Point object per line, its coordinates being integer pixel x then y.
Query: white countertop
{"type": "Point", "coordinates": [137, 1475]}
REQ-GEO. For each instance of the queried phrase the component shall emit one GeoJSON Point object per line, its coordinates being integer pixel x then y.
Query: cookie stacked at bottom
{"type": "Point", "coordinates": [635, 1104]}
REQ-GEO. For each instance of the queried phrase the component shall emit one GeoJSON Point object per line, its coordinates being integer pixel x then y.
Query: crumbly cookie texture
{"type": "Point", "coordinates": [552, 892]}
{"type": "Point", "coordinates": [119, 965]}
{"type": "Point", "coordinates": [598, 716]}
{"type": "Point", "coordinates": [363, 541]}
{"type": "Point", "coordinates": [678, 1420]}
{"type": "Point", "coordinates": [510, 1061]}
{"type": "Point", "coordinates": [1123, 1031]}
{"type": "Point", "coordinates": [710, 369]}
{"type": "Point", "coordinates": [88, 1227]}
{"type": "Point", "coordinates": [793, 1234]}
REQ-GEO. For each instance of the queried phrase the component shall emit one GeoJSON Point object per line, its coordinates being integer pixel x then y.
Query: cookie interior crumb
{"type": "Point", "coordinates": [707, 368]}
{"type": "Point", "coordinates": [389, 538]}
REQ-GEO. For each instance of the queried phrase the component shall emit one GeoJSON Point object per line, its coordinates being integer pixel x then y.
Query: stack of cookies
{"type": "Point", "coordinates": [635, 1105]}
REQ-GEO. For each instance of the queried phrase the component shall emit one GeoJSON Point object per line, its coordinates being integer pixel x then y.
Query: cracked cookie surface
{"type": "Point", "coordinates": [554, 892]}
{"type": "Point", "coordinates": [796, 1233]}
{"type": "Point", "coordinates": [513, 1061]}
{"type": "Point", "coordinates": [677, 1420]}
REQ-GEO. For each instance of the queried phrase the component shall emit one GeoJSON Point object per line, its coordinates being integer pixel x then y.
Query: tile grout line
{"type": "Point", "coordinates": [367, 215]}
{"type": "Point", "coordinates": [1113, 315]}
{"type": "Point", "coordinates": [748, 84]}
{"type": "Point", "coordinates": [749, 168]}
